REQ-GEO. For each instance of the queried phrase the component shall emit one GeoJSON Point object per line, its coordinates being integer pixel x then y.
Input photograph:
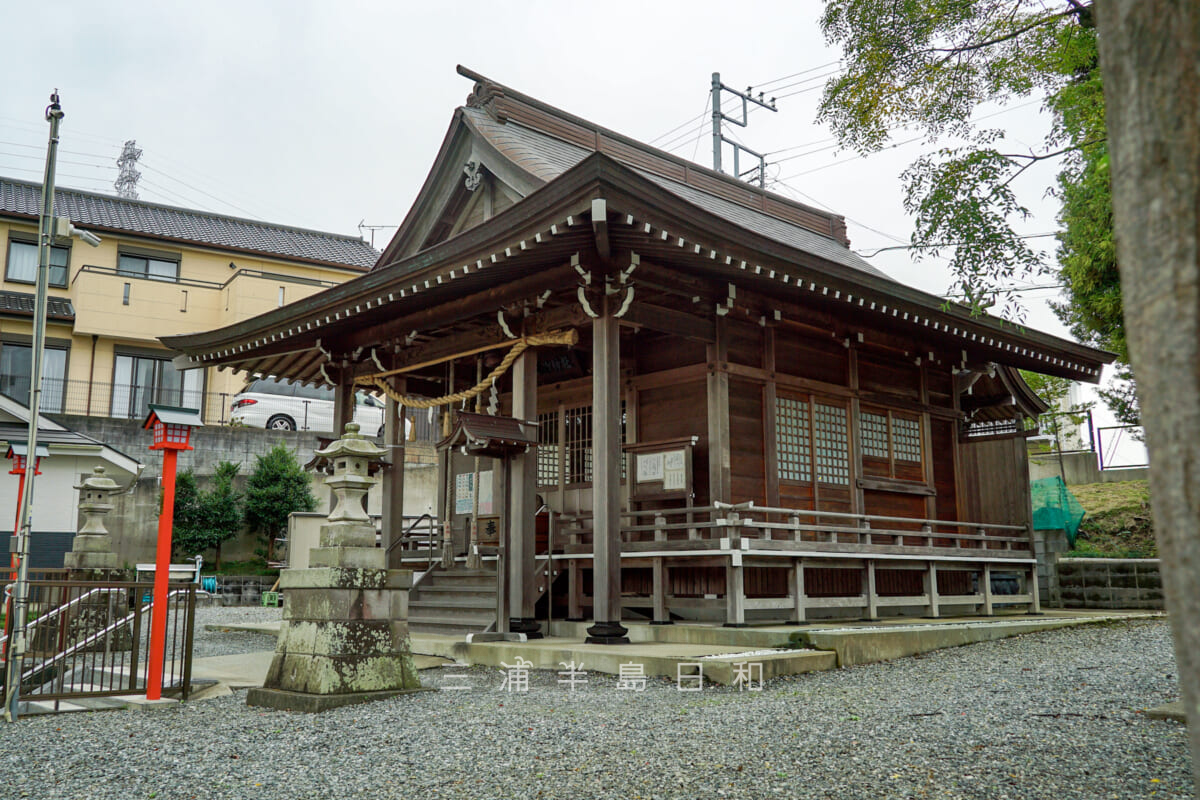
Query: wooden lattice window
{"type": "Point", "coordinates": [793, 446]}
{"type": "Point", "coordinates": [874, 434]}
{"type": "Point", "coordinates": [831, 444]}
{"type": "Point", "coordinates": [548, 450]}
{"type": "Point", "coordinates": [578, 445]}
{"type": "Point", "coordinates": [891, 443]}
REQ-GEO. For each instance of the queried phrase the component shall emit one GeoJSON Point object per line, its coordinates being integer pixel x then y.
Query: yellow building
{"type": "Point", "coordinates": [160, 270]}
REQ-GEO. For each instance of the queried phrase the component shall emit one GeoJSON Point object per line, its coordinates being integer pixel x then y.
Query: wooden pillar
{"type": "Point", "coordinates": [735, 578]}
{"type": "Point", "coordinates": [872, 597]}
{"type": "Point", "coordinates": [662, 615]}
{"type": "Point", "coordinates": [1035, 604]}
{"type": "Point", "coordinates": [797, 592]}
{"type": "Point", "coordinates": [523, 506]}
{"type": "Point", "coordinates": [987, 589]}
{"type": "Point", "coordinates": [719, 450]}
{"type": "Point", "coordinates": [393, 477]}
{"type": "Point", "coordinates": [931, 590]}
{"type": "Point", "coordinates": [606, 483]}
{"type": "Point", "coordinates": [343, 402]}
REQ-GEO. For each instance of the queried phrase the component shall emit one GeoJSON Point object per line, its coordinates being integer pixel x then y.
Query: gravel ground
{"type": "Point", "coordinates": [1048, 715]}
{"type": "Point", "coordinates": [228, 643]}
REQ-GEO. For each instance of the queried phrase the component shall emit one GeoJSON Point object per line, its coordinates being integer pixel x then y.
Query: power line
{"type": "Point", "coordinates": [942, 244]}
{"type": "Point", "coordinates": [795, 74]}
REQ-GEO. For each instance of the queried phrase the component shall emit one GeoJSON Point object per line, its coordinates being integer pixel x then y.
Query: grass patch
{"type": "Point", "coordinates": [1118, 522]}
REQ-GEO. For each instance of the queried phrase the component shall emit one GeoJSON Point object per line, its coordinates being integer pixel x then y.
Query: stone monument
{"type": "Point", "coordinates": [344, 637]}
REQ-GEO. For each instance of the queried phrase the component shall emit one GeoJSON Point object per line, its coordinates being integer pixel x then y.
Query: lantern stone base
{"type": "Point", "coordinates": [91, 551]}
{"type": "Point", "coordinates": [344, 637]}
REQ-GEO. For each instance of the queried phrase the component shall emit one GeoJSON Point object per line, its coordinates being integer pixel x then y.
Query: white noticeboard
{"type": "Point", "coordinates": [464, 493]}
{"type": "Point", "coordinates": [649, 467]}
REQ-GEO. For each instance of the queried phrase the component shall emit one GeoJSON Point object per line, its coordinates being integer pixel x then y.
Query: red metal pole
{"type": "Point", "coordinates": [17, 528]}
{"type": "Point", "coordinates": [162, 568]}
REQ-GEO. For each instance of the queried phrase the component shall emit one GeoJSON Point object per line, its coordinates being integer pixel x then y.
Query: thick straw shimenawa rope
{"type": "Point", "coordinates": [568, 337]}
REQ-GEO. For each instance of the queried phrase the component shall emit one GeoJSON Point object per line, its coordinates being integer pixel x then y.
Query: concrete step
{"type": "Point", "coordinates": [452, 589]}
{"type": "Point", "coordinates": [453, 623]}
{"type": "Point", "coordinates": [454, 601]}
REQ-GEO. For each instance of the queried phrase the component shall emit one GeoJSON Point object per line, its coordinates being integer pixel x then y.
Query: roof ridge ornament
{"type": "Point", "coordinates": [483, 96]}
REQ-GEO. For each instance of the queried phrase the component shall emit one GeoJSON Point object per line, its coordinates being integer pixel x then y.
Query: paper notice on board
{"type": "Point", "coordinates": [649, 467]}
{"type": "Point", "coordinates": [464, 493]}
{"type": "Point", "coordinates": [673, 480]}
{"type": "Point", "coordinates": [673, 460]}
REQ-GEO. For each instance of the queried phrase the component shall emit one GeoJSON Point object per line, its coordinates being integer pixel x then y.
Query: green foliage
{"type": "Point", "coordinates": [930, 65]}
{"type": "Point", "coordinates": [206, 519]}
{"type": "Point", "coordinates": [277, 487]}
{"type": "Point", "coordinates": [1054, 392]}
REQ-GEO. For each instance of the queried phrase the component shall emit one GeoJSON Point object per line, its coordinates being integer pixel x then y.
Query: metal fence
{"type": "Point", "coordinates": [124, 401]}
{"type": "Point", "coordinates": [91, 639]}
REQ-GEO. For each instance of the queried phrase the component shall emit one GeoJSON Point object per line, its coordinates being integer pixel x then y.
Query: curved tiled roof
{"type": "Point", "coordinates": [546, 157]}
{"type": "Point", "coordinates": [88, 209]}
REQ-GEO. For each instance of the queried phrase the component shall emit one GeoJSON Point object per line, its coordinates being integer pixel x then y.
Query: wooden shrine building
{"type": "Point", "coordinates": [736, 417]}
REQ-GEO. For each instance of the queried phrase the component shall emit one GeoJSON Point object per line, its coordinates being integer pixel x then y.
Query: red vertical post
{"type": "Point", "coordinates": [17, 525]}
{"type": "Point", "coordinates": [162, 569]}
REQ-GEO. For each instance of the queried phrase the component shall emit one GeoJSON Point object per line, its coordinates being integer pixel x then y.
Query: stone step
{"type": "Point", "coordinates": [454, 604]}
{"type": "Point", "coordinates": [450, 622]}
{"type": "Point", "coordinates": [462, 583]}
{"type": "Point", "coordinates": [439, 590]}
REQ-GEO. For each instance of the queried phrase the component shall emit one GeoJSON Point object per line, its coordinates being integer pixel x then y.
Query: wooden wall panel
{"type": "Point", "coordinates": [995, 474]}
{"type": "Point", "coordinates": [745, 342]}
{"type": "Point", "coordinates": [675, 412]}
{"type": "Point", "coordinates": [748, 457]}
{"type": "Point", "coordinates": [657, 352]}
{"type": "Point", "coordinates": [888, 375]}
{"type": "Point", "coordinates": [815, 359]}
{"type": "Point", "coordinates": [944, 441]}
{"type": "Point", "coordinates": [830, 582]}
{"type": "Point", "coordinates": [940, 386]}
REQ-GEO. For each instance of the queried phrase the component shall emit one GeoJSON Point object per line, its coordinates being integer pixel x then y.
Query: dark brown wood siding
{"type": "Point", "coordinates": [747, 457]}
{"type": "Point", "coordinates": [676, 412]}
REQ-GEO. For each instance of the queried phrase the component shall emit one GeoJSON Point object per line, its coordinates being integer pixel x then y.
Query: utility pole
{"type": "Point", "coordinates": [20, 599]}
{"type": "Point", "coordinates": [718, 137]}
{"type": "Point", "coordinates": [49, 228]}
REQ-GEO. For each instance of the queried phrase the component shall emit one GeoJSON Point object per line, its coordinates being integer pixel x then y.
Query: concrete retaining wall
{"type": "Point", "coordinates": [1110, 583]}
{"type": "Point", "coordinates": [1080, 468]}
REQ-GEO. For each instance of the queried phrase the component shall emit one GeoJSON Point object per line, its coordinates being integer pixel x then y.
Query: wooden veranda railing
{"type": "Point", "coordinates": [760, 555]}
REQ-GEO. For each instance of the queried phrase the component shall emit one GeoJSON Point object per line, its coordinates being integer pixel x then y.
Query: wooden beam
{"type": "Point", "coordinates": [523, 498]}
{"type": "Point", "coordinates": [600, 228]}
{"type": "Point", "coordinates": [669, 321]}
{"type": "Point", "coordinates": [393, 478]}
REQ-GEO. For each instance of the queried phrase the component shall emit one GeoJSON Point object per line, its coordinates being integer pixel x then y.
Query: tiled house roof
{"type": "Point", "coordinates": [21, 304]}
{"type": "Point", "coordinates": [98, 211]}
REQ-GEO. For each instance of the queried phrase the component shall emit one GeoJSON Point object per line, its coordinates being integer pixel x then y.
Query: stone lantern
{"type": "Point", "coordinates": [92, 548]}
{"type": "Point", "coordinates": [344, 637]}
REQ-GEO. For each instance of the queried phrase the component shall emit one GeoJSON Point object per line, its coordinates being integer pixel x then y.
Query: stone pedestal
{"type": "Point", "coordinates": [344, 637]}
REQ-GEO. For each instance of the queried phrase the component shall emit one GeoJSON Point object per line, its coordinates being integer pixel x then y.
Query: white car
{"type": "Point", "coordinates": [275, 405]}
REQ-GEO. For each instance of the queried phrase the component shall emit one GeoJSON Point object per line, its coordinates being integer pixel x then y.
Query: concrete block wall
{"type": "Point", "coordinates": [1110, 583]}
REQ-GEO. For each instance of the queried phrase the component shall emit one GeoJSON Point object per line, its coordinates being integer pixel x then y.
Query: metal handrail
{"type": "Point", "coordinates": [60, 609]}
{"type": "Point", "coordinates": [96, 636]}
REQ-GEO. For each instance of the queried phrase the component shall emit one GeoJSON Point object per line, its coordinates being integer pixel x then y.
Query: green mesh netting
{"type": "Point", "coordinates": [1055, 508]}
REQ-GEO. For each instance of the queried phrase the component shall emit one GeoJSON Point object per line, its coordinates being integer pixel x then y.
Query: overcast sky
{"type": "Point", "coordinates": [323, 114]}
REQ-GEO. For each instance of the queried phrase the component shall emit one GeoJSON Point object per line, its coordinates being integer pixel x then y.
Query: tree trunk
{"type": "Point", "coordinates": [1149, 52]}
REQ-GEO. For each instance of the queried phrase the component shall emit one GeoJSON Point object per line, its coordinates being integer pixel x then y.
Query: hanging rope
{"type": "Point", "coordinates": [568, 337]}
